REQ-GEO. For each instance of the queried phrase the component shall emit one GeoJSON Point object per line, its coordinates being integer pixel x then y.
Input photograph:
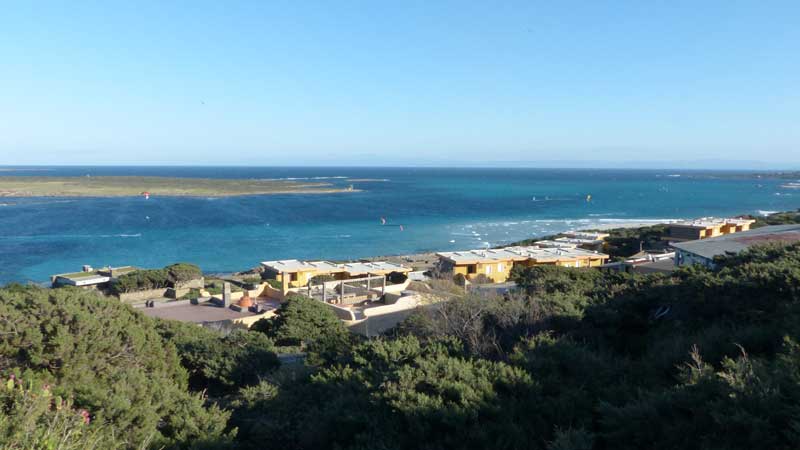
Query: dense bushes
{"type": "Point", "coordinates": [577, 359]}
{"type": "Point", "coordinates": [109, 359]}
{"type": "Point", "coordinates": [31, 417]}
{"type": "Point", "coordinates": [220, 364]}
{"type": "Point", "coordinates": [319, 279]}
{"type": "Point", "coordinates": [305, 322]}
{"type": "Point", "coordinates": [145, 279]}
{"type": "Point", "coordinates": [580, 359]}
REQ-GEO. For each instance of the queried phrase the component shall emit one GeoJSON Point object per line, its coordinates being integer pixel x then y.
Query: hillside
{"type": "Point", "coordinates": [580, 359]}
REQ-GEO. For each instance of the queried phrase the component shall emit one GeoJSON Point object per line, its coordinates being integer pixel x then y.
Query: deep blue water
{"type": "Point", "coordinates": [440, 209]}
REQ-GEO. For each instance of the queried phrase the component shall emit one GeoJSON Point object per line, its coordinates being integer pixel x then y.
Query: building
{"type": "Point", "coordinates": [644, 262]}
{"type": "Point", "coordinates": [707, 227]}
{"type": "Point", "coordinates": [293, 273]}
{"type": "Point", "coordinates": [90, 277]}
{"type": "Point", "coordinates": [554, 244]}
{"type": "Point", "coordinates": [704, 251]}
{"type": "Point", "coordinates": [361, 269]}
{"type": "Point", "coordinates": [586, 237]}
{"type": "Point", "coordinates": [497, 263]}
{"type": "Point", "coordinates": [296, 274]}
{"type": "Point", "coordinates": [209, 313]}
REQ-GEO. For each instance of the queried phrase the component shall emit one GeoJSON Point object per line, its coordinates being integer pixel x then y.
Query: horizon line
{"type": "Point", "coordinates": [765, 168]}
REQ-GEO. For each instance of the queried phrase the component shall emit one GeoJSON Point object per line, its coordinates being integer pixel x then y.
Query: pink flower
{"type": "Point", "coordinates": [85, 414]}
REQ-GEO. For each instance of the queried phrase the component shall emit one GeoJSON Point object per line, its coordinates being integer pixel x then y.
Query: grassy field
{"type": "Point", "coordinates": [133, 186]}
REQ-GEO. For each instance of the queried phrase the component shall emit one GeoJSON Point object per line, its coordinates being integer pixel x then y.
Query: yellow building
{"type": "Point", "coordinates": [362, 269]}
{"type": "Point", "coordinates": [293, 273]}
{"type": "Point", "coordinates": [704, 228]}
{"type": "Point", "coordinates": [296, 274]}
{"type": "Point", "coordinates": [497, 263]}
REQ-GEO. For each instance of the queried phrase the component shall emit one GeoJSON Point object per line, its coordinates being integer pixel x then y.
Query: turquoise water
{"type": "Point", "coordinates": [439, 209]}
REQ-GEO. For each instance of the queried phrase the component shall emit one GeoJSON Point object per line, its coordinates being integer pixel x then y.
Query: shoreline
{"type": "Point", "coordinates": [127, 186]}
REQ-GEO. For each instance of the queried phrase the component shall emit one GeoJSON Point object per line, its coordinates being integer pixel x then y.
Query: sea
{"type": "Point", "coordinates": [424, 209]}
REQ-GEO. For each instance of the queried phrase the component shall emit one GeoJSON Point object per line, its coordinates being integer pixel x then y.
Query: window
{"type": "Point", "coordinates": [488, 270]}
{"type": "Point", "coordinates": [472, 268]}
{"type": "Point", "coordinates": [293, 276]}
{"type": "Point", "coordinates": [501, 267]}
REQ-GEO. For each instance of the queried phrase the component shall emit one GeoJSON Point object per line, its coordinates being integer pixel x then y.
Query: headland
{"type": "Point", "coordinates": [129, 186]}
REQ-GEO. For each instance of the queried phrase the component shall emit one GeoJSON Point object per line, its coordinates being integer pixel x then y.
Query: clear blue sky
{"type": "Point", "coordinates": [399, 82]}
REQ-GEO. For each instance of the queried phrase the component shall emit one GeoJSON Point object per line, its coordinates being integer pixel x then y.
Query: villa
{"type": "Point", "coordinates": [89, 277]}
{"type": "Point", "coordinates": [703, 252]}
{"type": "Point", "coordinates": [496, 264]}
{"type": "Point", "coordinates": [294, 274]}
{"type": "Point", "coordinates": [707, 227]}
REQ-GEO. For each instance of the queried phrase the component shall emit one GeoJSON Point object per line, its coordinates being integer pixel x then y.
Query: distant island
{"type": "Point", "coordinates": [128, 186]}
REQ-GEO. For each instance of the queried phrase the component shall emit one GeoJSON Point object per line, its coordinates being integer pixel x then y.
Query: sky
{"type": "Point", "coordinates": [589, 83]}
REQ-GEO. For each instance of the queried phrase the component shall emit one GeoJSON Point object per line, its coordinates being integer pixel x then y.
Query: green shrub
{"type": "Point", "coordinates": [215, 286]}
{"type": "Point", "coordinates": [481, 279]}
{"type": "Point", "coordinates": [109, 359]}
{"type": "Point", "coordinates": [145, 279]}
{"type": "Point", "coordinates": [182, 272]}
{"type": "Point", "coordinates": [32, 417]}
{"type": "Point", "coordinates": [220, 363]}
{"type": "Point", "coordinates": [274, 283]}
{"type": "Point", "coordinates": [319, 279]}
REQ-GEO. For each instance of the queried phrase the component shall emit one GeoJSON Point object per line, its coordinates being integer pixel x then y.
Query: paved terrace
{"type": "Point", "coordinates": [206, 311]}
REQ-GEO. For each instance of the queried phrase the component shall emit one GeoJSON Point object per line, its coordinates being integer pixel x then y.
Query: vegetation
{"type": "Point", "coordinates": [624, 242]}
{"type": "Point", "coordinates": [214, 286]}
{"type": "Point", "coordinates": [120, 186]}
{"type": "Point", "coordinates": [144, 279]}
{"type": "Point", "coordinates": [781, 218]}
{"type": "Point", "coordinates": [110, 360]}
{"type": "Point", "coordinates": [220, 364]}
{"type": "Point", "coordinates": [319, 279]}
{"type": "Point", "coordinates": [576, 359]}
{"type": "Point", "coordinates": [31, 417]}
{"type": "Point", "coordinates": [302, 321]}
{"type": "Point", "coordinates": [275, 284]}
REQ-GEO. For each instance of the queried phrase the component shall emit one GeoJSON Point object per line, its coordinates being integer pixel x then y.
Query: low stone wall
{"type": "Point", "coordinates": [198, 283]}
{"type": "Point", "coordinates": [396, 288]}
{"type": "Point", "coordinates": [342, 313]}
{"type": "Point", "coordinates": [140, 296]}
{"type": "Point", "coordinates": [178, 291]}
{"type": "Point", "coordinates": [270, 292]}
{"type": "Point", "coordinates": [402, 304]}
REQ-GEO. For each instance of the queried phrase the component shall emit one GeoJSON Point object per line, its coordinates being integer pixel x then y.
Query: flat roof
{"type": "Point", "coordinates": [736, 242]}
{"type": "Point", "coordinates": [100, 272]}
{"type": "Point", "coordinates": [519, 254]}
{"type": "Point", "coordinates": [203, 312]}
{"type": "Point", "coordinates": [293, 265]}
{"type": "Point", "coordinates": [559, 244]}
{"type": "Point", "coordinates": [710, 222]}
{"type": "Point", "coordinates": [594, 235]}
{"type": "Point", "coordinates": [374, 267]}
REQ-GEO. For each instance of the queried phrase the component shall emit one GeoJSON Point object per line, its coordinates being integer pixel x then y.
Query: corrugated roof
{"type": "Point", "coordinates": [518, 254]}
{"type": "Point", "coordinates": [293, 265]}
{"type": "Point", "coordinates": [709, 222]}
{"type": "Point", "coordinates": [736, 242]}
{"type": "Point", "coordinates": [374, 267]}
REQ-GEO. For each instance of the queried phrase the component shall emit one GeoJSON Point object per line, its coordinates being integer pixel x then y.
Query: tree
{"type": "Point", "coordinates": [220, 363]}
{"type": "Point", "coordinates": [109, 359]}
{"type": "Point", "coordinates": [31, 417]}
{"type": "Point", "coordinates": [302, 321]}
